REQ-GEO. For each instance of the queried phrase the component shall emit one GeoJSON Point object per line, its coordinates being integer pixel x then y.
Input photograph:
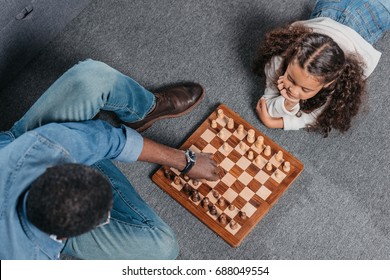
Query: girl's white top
{"type": "Point", "coordinates": [348, 40]}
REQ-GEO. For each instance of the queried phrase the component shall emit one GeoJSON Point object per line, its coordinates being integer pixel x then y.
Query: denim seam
{"type": "Point", "coordinates": [113, 107]}
{"type": "Point", "coordinates": [123, 198]}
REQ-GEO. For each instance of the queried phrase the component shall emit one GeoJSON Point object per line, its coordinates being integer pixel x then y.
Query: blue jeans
{"type": "Point", "coordinates": [369, 18]}
{"type": "Point", "coordinates": [135, 231]}
{"type": "Point", "coordinates": [81, 92]}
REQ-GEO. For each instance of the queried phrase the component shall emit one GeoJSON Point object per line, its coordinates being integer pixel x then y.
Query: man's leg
{"type": "Point", "coordinates": [135, 231]}
{"type": "Point", "coordinates": [81, 92]}
{"type": "Point", "coordinates": [90, 86]}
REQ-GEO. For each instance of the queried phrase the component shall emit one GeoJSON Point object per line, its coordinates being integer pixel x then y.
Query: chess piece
{"type": "Point", "coordinates": [268, 166]}
{"type": "Point", "coordinates": [205, 202]}
{"type": "Point", "coordinates": [195, 197]}
{"type": "Point", "coordinates": [169, 174]}
{"type": "Point", "coordinates": [231, 207]}
{"type": "Point", "coordinates": [225, 146]}
{"type": "Point", "coordinates": [222, 219]}
{"type": "Point", "coordinates": [220, 114]}
{"type": "Point", "coordinates": [186, 177]}
{"type": "Point", "coordinates": [242, 215]}
{"type": "Point", "coordinates": [242, 146]}
{"type": "Point", "coordinates": [286, 166]}
{"type": "Point", "coordinates": [233, 224]}
{"type": "Point", "coordinates": [267, 150]}
{"type": "Point", "coordinates": [221, 134]}
{"type": "Point", "coordinates": [215, 193]}
{"type": "Point", "coordinates": [213, 209]}
{"type": "Point", "coordinates": [250, 155]}
{"type": "Point", "coordinates": [278, 174]}
{"type": "Point", "coordinates": [230, 123]}
{"type": "Point", "coordinates": [259, 160]}
{"type": "Point", "coordinates": [214, 124]}
{"type": "Point", "coordinates": [279, 156]}
{"type": "Point", "coordinates": [195, 182]}
{"type": "Point", "coordinates": [221, 201]}
{"type": "Point", "coordinates": [259, 142]}
{"type": "Point", "coordinates": [251, 136]}
{"type": "Point", "coordinates": [240, 129]}
{"type": "Point", "coordinates": [187, 188]}
{"type": "Point", "coordinates": [177, 180]}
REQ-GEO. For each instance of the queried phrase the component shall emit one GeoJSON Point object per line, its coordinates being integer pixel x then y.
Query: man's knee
{"type": "Point", "coordinates": [93, 75]}
{"type": "Point", "coordinates": [167, 248]}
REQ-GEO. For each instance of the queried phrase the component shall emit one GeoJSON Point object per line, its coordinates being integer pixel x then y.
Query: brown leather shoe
{"type": "Point", "coordinates": [171, 102]}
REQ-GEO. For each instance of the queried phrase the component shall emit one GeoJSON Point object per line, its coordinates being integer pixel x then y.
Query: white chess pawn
{"type": "Point", "coordinates": [259, 142]}
{"type": "Point", "coordinates": [230, 124]}
{"type": "Point", "coordinates": [214, 124]}
{"type": "Point", "coordinates": [220, 113]}
{"type": "Point", "coordinates": [267, 150]}
{"type": "Point", "coordinates": [251, 136]}
{"type": "Point", "coordinates": [240, 129]}
{"type": "Point", "coordinates": [279, 156]}
{"type": "Point", "coordinates": [250, 155]}
{"type": "Point", "coordinates": [286, 166]}
{"type": "Point", "coordinates": [225, 146]}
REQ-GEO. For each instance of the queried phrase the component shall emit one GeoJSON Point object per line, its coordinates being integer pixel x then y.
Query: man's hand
{"type": "Point", "coordinates": [205, 168]}
{"type": "Point", "coordinates": [268, 121]}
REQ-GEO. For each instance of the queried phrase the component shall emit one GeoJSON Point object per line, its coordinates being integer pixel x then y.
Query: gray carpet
{"type": "Point", "coordinates": [337, 209]}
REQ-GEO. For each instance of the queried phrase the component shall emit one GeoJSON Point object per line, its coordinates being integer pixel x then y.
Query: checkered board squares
{"type": "Point", "coordinates": [248, 185]}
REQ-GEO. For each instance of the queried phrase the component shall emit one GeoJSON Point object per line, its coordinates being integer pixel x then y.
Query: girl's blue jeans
{"type": "Point", "coordinates": [135, 231]}
{"type": "Point", "coordinates": [369, 18]}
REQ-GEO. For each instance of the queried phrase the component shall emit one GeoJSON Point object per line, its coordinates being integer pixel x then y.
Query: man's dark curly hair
{"type": "Point", "coordinates": [321, 57]}
{"type": "Point", "coordinates": [69, 200]}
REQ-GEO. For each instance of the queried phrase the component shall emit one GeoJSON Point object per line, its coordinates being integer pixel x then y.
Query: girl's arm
{"type": "Point", "coordinates": [268, 121]}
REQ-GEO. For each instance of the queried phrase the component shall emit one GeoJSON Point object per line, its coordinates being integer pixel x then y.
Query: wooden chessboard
{"type": "Point", "coordinates": [248, 187]}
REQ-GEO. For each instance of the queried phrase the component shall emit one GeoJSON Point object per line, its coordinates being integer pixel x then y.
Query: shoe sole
{"type": "Point", "coordinates": [150, 123]}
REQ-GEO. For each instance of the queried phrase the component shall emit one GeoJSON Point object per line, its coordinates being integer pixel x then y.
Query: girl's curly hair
{"type": "Point", "coordinates": [321, 57]}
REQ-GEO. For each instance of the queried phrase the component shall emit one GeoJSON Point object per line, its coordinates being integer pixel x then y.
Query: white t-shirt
{"type": "Point", "coordinates": [348, 40]}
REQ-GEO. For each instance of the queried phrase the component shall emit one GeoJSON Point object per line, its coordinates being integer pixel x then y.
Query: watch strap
{"type": "Point", "coordinates": [191, 159]}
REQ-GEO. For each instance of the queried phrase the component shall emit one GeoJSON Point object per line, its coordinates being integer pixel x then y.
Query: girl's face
{"type": "Point", "coordinates": [299, 84]}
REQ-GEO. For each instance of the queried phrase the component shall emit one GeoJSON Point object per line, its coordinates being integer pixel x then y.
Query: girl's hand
{"type": "Point", "coordinates": [265, 117]}
{"type": "Point", "coordinates": [283, 91]}
{"type": "Point", "coordinates": [290, 101]}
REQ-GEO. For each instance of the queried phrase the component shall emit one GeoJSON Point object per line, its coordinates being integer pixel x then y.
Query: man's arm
{"type": "Point", "coordinates": [204, 168]}
{"type": "Point", "coordinates": [90, 141]}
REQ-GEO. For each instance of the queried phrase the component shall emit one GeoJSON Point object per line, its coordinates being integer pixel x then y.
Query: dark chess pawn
{"type": "Point", "coordinates": [222, 219]}
{"type": "Point", "coordinates": [221, 201]}
{"type": "Point", "coordinates": [187, 188]}
{"type": "Point", "coordinates": [195, 197]}
{"type": "Point", "coordinates": [169, 174]}
{"type": "Point", "coordinates": [205, 203]}
{"type": "Point", "coordinates": [213, 210]}
{"type": "Point", "coordinates": [242, 215]}
{"type": "Point", "coordinates": [177, 180]}
{"type": "Point", "coordinates": [233, 224]}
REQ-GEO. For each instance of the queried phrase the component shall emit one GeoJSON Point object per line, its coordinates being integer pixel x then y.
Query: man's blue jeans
{"type": "Point", "coordinates": [135, 231]}
{"type": "Point", "coordinates": [369, 18]}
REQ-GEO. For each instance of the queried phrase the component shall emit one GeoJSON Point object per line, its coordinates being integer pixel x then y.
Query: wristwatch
{"type": "Point", "coordinates": [191, 159]}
